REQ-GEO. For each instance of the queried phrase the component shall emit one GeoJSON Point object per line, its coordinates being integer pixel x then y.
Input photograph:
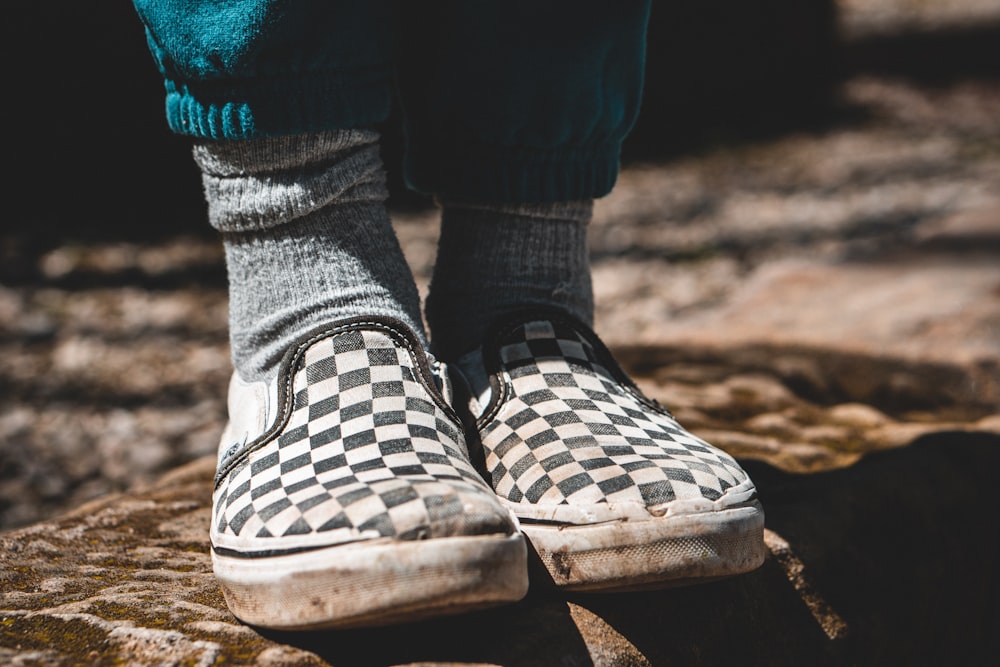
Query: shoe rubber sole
{"type": "Point", "coordinates": [377, 583]}
{"type": "Point", "coordinates": [644, 555]}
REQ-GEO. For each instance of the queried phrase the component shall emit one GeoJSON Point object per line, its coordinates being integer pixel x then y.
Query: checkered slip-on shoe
{"type": "Point", "coordinates": [345, 495]}
{"type": "Point", "coordinates": [611, 492]}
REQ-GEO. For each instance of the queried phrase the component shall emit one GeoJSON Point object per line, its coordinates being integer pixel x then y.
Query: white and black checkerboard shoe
{"type": "Point", "coordinates": [612, 493]}
{"type": "Point", "coordinates": [345, 495]}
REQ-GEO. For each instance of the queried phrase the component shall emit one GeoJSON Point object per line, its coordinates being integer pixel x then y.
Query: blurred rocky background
{"type": "Point", "coordinates": [801, 259]}
{"type": "Point", "coordinates": [807, 220]}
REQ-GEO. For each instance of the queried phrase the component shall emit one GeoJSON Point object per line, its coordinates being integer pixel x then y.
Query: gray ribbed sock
{"type": "Point", "coordinates": [495, 259]}
{"type": "Point", "coordinates": [307, 237]}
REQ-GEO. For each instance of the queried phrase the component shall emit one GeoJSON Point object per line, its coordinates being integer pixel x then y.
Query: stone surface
{"type": "Point", "coordinates": [860, 558]}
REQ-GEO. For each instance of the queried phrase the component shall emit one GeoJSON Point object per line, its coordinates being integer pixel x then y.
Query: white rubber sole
{"type": "Point", "coordinates": [658, 553]}
{"type": "Point", "coordinates": [376, 583]}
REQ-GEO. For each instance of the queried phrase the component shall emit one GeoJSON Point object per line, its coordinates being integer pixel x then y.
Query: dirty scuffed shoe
{"type": "Point", "coordinates": [611, 492]}
{"type": "Point", "coordinates": [345, 495]}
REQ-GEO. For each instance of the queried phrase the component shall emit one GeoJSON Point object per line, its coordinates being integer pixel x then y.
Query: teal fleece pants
{"type": "Point", "coordinates": [502, 100]}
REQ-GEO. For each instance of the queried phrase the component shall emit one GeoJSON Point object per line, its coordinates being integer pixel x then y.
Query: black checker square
{"type": "Point", "coordinates": [298, 527]}
{"type": "Point", "coordinates": [577, 482]}
{"type": "Point", "coordinates": [408, 470]}
{"type": "Point", "coordinates": [358, 377]}
{"type": "Point", "coordinates": [388, 389]}
{"type": "Point", "coordinates": [399, 495]}
{"type": "Point", "coordinates": [657, 493]}
{"type": "Point", "coordinates": [542, 438]}
{"type": "Point", "coordinates": [563, 418]}
{"type": "Point", "coordinates": [542, 348]}
{"type": "Point", "coordinates": [597, 428]}
{"type": "Point", "coordinates": [560, 380]}
{"type": "Point", "coordinates": [522, 465]}
{"type": "Point", "coordinates": [357, 410]}
{"type": "Point", "coordinates": [301, 399]}
{"type": "Point", "coordinates": [326, 437]}
{"type": "Point", "coordinates": [327, 463]}
{"type": "Point", "coordinates": [389, 417]}
{"type": "Point", "coordinates": [359, 440]}
{"type": "Point", "coordinates": [380, 523]}
{"type": "Point", "coordinates": [522, 417]}
{"type": "Point", "coordinates": [312, 501]}
{"type": "Point", "coordinates": [368, 465]}
{"type": "Point", "coordinates": [709, 492]}
{"type": "Point", "coordinates": [238, 492]}
{"type": "Point", "coordinates": [239, 520]}
{"type": "Point", "coordinates": [265, 488]}
{"type": "Point", "coordinates": [351, 341]}
{"type": "Point", "coordinates": [382, 356]}
{"type": "Point", "coordinates": [264, 463]}
{"type": "Point", "coordinates": [615, 484]}
{"type": "Point", "coordinates": [539, 396]}
{"type": "Point", "coordinates": [534, 492]}
{"type": "Point", "coordinates": [395, 446]}
{"type": "Point", "coordinates": [420, 405]}
{"type": "Point", "coordinates": [321, 369]}
{"type": "Point", "coordinates": [294, 435]}
{"type": "Point", "coordinates": [557, 460]}
{"type": "Point", "coordinates": [324, 407]}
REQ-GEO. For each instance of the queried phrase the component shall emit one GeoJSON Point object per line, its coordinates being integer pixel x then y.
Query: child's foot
{"type": "Point", "coordinates": [345, 495]}
{"type": "Point", "coordinates": [611, 492]}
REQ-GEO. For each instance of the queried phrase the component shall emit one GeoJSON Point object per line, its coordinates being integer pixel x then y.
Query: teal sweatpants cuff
{"type": "Point", "coordinates": [503, 101]}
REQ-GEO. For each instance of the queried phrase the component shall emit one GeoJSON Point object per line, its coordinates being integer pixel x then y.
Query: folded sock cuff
{"type": "Point", "coordinates": [259, 184]}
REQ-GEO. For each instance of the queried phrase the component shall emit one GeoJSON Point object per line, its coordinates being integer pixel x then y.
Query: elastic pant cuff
{"type": "Point", "coordinates": [280, 106]}
{"type": "Point", "coordinates": [515, 176]}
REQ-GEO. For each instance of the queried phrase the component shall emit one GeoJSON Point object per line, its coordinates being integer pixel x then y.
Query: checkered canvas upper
{"type": "Point", "coordinates": [566, 427]}
{"type": "Point", "coordinates": [366, 448]}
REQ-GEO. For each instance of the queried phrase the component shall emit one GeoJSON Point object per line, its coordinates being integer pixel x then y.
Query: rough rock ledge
{"type": "Point", "coordinates": [890, 560]}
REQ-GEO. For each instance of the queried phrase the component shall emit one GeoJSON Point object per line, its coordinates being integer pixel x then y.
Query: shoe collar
{"type": "Point", "coordinates": [504, 331]}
